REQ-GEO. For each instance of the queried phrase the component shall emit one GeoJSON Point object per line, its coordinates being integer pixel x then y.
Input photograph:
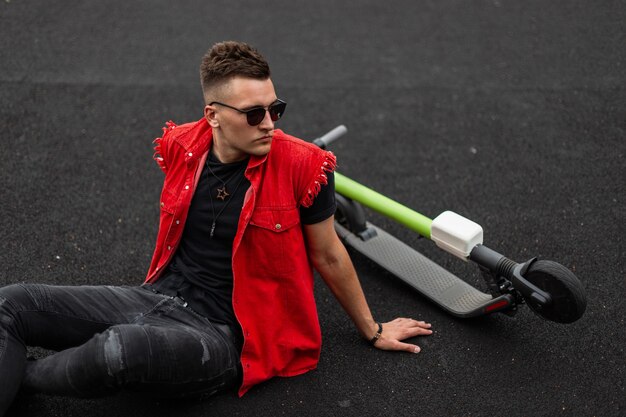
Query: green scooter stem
{"type": "Point", "coordinates": [383, 205]}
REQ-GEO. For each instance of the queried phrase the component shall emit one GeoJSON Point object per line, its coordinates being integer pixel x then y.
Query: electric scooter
{"type": "Point", "coordinates": [551, 290]}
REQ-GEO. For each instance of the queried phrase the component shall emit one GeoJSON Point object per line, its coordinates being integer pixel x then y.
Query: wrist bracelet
{"type": "Point", "coordinates": [374, 339]}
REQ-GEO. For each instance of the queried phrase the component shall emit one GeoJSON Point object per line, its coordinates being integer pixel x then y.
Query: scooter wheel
{"type": "Point", "coordinates": [350, 214]}
{"type": "Point", "coordinates": [568, 297]}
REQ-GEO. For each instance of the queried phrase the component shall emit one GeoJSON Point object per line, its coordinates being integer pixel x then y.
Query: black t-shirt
{"type": "Point", "coordinates": [201, 270]}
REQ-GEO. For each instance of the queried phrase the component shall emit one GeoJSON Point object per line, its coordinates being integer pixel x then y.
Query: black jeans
{"type": "Point", "coordinates": [108, 339]}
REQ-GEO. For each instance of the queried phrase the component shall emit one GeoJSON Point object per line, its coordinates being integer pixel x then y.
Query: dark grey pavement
{"type": "Point", "coordinates": [510, 113]}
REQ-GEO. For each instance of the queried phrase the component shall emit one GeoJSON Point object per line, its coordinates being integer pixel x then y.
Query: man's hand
{"type": "Point", "coordinates": [332, 261]}
{"type": "Point", "coordinates": [400, 329]}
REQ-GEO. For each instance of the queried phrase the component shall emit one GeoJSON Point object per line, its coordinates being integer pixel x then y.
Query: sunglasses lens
{"type": "Point", "coordinates": [277, 110]}
{"type": "Point", "coordinates": [255, 116]}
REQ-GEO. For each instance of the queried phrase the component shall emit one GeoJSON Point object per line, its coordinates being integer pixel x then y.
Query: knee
{"type": "Point", "coordinates": [12, 299]}
{"type": "Point", "coordinates": [125, 354]}
{"type": "Point", "coordinates": [114, 360]}
{"type": "Point", "coordinates": [17, 297]}
{"type": "Point", "coordinates": [9, 292]}
{"type": "Point", "coordinates": [100, 366]}
{"type": "Point", "coordinates": [135, 353]}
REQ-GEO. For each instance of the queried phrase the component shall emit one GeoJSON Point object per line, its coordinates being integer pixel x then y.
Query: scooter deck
{"type": "Point", "coordinates": [436, 283]}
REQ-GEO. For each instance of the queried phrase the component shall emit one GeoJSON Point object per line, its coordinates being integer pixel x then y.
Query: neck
{"type": "Point", "coordinates": [225, 155]}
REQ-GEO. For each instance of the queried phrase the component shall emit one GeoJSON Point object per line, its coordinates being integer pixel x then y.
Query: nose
{"type": "Point", "coordinates": [267, 123]}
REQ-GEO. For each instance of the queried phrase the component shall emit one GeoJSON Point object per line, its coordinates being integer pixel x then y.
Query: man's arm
{"type": "Point", "coordinates": [331, 260]}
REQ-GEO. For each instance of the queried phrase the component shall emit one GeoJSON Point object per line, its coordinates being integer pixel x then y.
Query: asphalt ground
{"type": "Point", "coordinates": [510, 113]}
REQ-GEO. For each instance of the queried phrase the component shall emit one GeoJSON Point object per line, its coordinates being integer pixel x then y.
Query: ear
{"type": "Point", "coordinates": [210, 116]}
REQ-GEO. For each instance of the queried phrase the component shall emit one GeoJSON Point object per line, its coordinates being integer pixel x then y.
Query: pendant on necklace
{"type": "Point", "coordinates": [212, 229]}
{"type": "Point", "coordinates": [222, 194]}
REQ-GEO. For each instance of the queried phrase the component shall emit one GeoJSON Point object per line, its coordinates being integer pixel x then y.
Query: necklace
{"type": "Point", "coordinates": [221, 194]}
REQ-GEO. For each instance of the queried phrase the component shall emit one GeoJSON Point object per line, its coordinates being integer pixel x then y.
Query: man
{"type": "Point", "coordinates": [228, 300]}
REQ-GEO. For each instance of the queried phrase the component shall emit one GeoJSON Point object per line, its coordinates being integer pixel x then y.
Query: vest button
{"type": "Point", "coordinates": [278, 226]}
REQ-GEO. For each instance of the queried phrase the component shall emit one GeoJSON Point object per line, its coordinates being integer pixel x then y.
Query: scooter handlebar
{"type": "Point", "coordinates": [325, 140]}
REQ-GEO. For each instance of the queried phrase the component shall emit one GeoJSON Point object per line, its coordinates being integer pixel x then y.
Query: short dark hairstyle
{"type": "Point", "coordinates": [226, 60]}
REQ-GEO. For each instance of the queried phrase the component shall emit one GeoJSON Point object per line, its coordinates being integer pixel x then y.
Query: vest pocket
{"type": "Point", "coordinates": [276, 238]}
{"type": "Point", "coordinates": [276, 220]}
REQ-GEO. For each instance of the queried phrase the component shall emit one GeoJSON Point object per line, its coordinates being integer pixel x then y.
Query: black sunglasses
{"type": "Point", "coordinates": [256, 115]}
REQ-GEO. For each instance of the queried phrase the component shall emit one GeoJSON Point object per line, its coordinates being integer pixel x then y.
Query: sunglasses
{"type": "Point", "coordinates": [256, 115]}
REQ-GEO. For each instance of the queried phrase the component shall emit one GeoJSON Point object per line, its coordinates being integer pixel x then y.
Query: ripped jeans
{"type": "Point", "coordinates": [107, 339]}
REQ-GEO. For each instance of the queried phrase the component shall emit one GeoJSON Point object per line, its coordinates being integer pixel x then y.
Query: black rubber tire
{"type": "Point", "coordinates": [340, 216]}
{"type": "Point", "coordinates": [350, 214]}
{"type": "Point", "coordinates": [568, 296]}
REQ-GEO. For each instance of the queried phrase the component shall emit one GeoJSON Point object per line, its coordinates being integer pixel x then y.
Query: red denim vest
{"type": "Point", "coordinates": [273, 280]}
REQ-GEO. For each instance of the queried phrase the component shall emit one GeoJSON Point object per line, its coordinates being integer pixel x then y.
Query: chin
{"type": "Point", "coordinates": [261, 150]}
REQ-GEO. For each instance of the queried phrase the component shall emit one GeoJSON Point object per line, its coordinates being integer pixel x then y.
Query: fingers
{"type": "Point", "coordinates": [418, 324]}
{"type": "Point", "coordinates": [409, 348]}
{"type": "Point", "coordinates": [398, 346]}
{"type": "Point", "coordinates": [402, 328]}
{"type": "Point", "coordinates": [411, 322]}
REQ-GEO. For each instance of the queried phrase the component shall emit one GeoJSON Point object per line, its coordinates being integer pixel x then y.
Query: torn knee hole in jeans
{"type": "Point", "coordinates": [113, 353]}
{"type": "Point", "coordinates": [206, 356]}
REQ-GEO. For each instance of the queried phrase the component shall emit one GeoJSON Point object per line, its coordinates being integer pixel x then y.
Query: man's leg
{"type": "Point", "coordinates": [110, 338]}
{"type": "Point", "coordinates": [159, 356]}
{"type": "Point", "coordinates": [58, 318]}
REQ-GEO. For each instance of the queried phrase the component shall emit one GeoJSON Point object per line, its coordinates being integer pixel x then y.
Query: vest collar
{"type": "Point", "coordinates": [255, 160]}
{"type": "Point", "coordinates": [197, 141]}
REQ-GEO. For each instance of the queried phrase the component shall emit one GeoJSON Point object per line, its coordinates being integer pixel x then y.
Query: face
{"type": "Point", "coordinates": [233, 138]}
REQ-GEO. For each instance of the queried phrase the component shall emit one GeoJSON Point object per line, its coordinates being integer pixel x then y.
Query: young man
{"type": "Point", "coordinates": [228, 300]}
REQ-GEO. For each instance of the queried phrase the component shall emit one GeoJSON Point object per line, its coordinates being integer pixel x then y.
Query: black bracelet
{"type": "Point", "coordinates": [374, 339]}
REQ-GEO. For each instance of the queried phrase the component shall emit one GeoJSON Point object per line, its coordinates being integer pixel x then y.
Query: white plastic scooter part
{"type": "Point", "coordinates": [455, 234]}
